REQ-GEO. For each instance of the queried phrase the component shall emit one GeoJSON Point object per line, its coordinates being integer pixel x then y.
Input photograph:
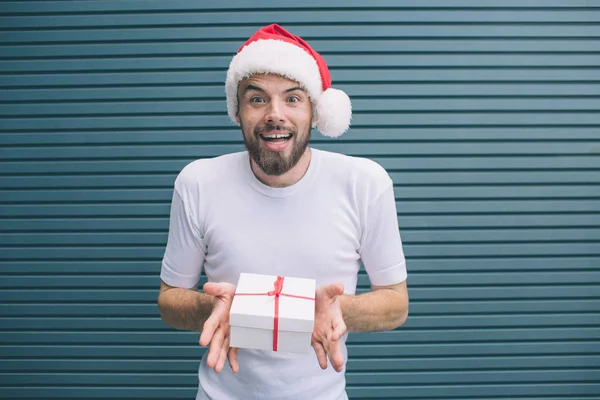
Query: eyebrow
{"type": "Point", "coordinates": [293, 89]}
{"type": "Point", "coordinates": [250, 87]}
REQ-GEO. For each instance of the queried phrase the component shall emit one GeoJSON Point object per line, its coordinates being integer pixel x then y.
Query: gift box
{"type": "Point", "coordinates": [273, 313]}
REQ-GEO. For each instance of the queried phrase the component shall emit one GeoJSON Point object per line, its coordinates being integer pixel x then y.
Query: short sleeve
{"type": "Point", "coordinates": [381, 246]}
{"type": "Point", "coordinates": [184, 255]}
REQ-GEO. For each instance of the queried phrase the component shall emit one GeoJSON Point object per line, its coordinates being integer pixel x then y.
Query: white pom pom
{"type": "Point", "coordinates": [333, 113]}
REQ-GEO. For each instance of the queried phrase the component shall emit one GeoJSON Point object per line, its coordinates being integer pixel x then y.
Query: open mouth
{"type": "Point", "coordinates": [276, 137]}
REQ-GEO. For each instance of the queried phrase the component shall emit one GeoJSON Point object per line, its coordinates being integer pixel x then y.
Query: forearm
{"type": "Point", "coordinates": [377, 310]}
{"type": "Point", "coordinates": [185, 309]}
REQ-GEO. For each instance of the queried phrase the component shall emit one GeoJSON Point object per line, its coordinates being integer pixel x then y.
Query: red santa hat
{"type": "Point", "coordinates": [274, 50]}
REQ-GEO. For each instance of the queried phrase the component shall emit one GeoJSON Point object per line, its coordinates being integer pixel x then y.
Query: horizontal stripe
{"type": "Point", "coordinates": [403, 194]}
{"type": "Point", "coordinates": [194, 352]}
{"type": "Point", "coordinates": [366, 119]}
{"type": "Point", "coordinates": [433, 266]}
{"type": "Point", "coordinates": [409, 236]}
{"type": "Point", "coordinates": [399, 178]}
{"type": "Point", "coordinates": [433, 392]}
{"type": "Point", "coordinates": [371, 90]}
{"type": "Point", "coordinates": [368, 149]}
{"type": "Point", "coordinates": [186, 5]}
{"type": "Point", "coordinates": [451, 280]}
{"type": "Point", "coordinates": [471, 60]}
{"type": "Point", "coordinates": [374, 31]}
{"type": "Point", "coordinates": [116, 223]}
{"type": "Point", "coordinates": [175, 164]}
{"type": "Point", "coordinates": [359, 106]}
{"type": "Point", "coordinates": [132, 251]}
{"type": "Point", "coordinates": [316, 17]}
{"type": "Point", "coordinates": [384, 378]}
{"type": "Point", "coordinates": [458, 136]}
{"type": "Point", "coordinates": [363, 364]}
{"type": "Point", "coordinates": [416, 309]}
{"type": "Point", "coordinates": [343, 76]}
{"type": "Point", "coordinates": [326, 47]}
{"type": "Point", "coordinates": [404, 335]}
{"type": "Point", "coordinates": [435, 207]}
{"type": "Point", "coordinates": [463, 293]}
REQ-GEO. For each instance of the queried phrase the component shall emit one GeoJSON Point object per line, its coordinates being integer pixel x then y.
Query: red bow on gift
{"type": "Point", "coordinates": [277, 289]}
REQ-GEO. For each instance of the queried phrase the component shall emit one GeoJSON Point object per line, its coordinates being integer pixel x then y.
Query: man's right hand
{"type": "Point", "coordinates": [215, 332]}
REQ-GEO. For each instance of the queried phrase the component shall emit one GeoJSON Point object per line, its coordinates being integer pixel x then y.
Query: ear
{"type": "Point", "coordinates": [237, 105]}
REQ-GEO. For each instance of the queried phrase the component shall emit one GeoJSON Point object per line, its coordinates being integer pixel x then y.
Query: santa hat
{"type": "Point", "coordinates": [274, 50]}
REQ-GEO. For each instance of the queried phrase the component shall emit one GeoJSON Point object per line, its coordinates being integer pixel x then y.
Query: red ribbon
{"type": "Point", "coordinates": [277, 289]}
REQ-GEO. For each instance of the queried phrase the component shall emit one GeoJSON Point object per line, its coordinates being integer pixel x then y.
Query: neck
{"type": "Point", "coordinates": [287, 179]}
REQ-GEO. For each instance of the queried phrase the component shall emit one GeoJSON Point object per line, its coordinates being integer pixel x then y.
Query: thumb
{"type": "Point", "coordinates": [335, 289]}
{"type": "Point", "coordinates": [214, 288]}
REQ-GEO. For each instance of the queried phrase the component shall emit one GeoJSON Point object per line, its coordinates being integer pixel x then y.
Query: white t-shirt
{"type": "Point", "coordinates": [223, 219]}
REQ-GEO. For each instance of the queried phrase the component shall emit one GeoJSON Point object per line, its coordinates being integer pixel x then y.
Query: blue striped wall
{"type": "Point", "coordinates": [485, 114]}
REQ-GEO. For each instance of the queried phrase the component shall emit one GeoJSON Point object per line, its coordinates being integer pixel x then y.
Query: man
{"type": "Point", "coordinates": [282, 208]}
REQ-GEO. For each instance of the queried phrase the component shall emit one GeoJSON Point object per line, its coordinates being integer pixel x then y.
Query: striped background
{"type": "Point", "coordinates": [484, 113]}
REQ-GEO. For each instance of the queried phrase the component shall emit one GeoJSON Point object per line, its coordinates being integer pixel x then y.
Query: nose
{"type": "Point", "coordinates": [274, 114]}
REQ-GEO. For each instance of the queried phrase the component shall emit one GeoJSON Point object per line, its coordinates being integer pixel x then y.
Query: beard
{"type": "Point", "coordinates": [275, 163]}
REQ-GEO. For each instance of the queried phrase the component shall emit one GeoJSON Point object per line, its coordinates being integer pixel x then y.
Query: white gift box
{"type": "Point", "coordinates": [256, 305]}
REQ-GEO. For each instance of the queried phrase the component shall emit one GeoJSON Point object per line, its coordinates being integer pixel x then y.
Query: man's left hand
{"type": "Point", "coordinates": [329, 326]}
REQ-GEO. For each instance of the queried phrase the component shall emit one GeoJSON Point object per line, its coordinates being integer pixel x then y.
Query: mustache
{"type": "Point", "coordinates": [269, 128]}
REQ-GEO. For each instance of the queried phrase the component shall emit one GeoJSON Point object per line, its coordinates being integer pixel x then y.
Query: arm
{"type": "Point", "coordinates": [185, 309]}
{"type": "Point", "coordinates": [383, 308]}
{"type": "Point", "coordinates": [181, 306]}
{"type": "Point", "coordinates": [386, 305]}
{"type": "Point", "coordinates": [206, 312]}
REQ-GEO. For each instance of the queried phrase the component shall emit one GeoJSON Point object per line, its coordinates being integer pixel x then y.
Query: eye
{"type": "Point", "coordinates": [256, 99]}
{"type": "Point", "coordinates": [294, 99]}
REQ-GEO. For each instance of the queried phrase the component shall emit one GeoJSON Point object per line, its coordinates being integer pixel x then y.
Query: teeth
{"type": "Point", "coordinates": [276, 136]}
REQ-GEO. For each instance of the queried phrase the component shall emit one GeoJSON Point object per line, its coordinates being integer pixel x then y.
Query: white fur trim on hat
{"type": "Point", "coordinates": [276, 57]}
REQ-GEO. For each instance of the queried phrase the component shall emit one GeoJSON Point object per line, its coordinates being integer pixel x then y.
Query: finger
{"type": "Point", "coordinates": [321, 354]}
{"type": "Point", "coordinates": [334, 351]}
{"type": "Point", "coordinates": [339, 328]}
{"type": "Point", "coordinates": [330, 292]}
{"type": "Point", "coordinates": [335, 289]}
{"type": "Point", "coordinates": [218, 288]}
{"type": "Point", "coordinates": [232, 355]}
{"type": "Point", "coordinates": [215, 347]}
{"type": "Point", "coordinates": [213, 288]}
{"type": "Point", "coordinates": [222, 355]}
{"type": "Point", "coordinates": [208, 329]}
